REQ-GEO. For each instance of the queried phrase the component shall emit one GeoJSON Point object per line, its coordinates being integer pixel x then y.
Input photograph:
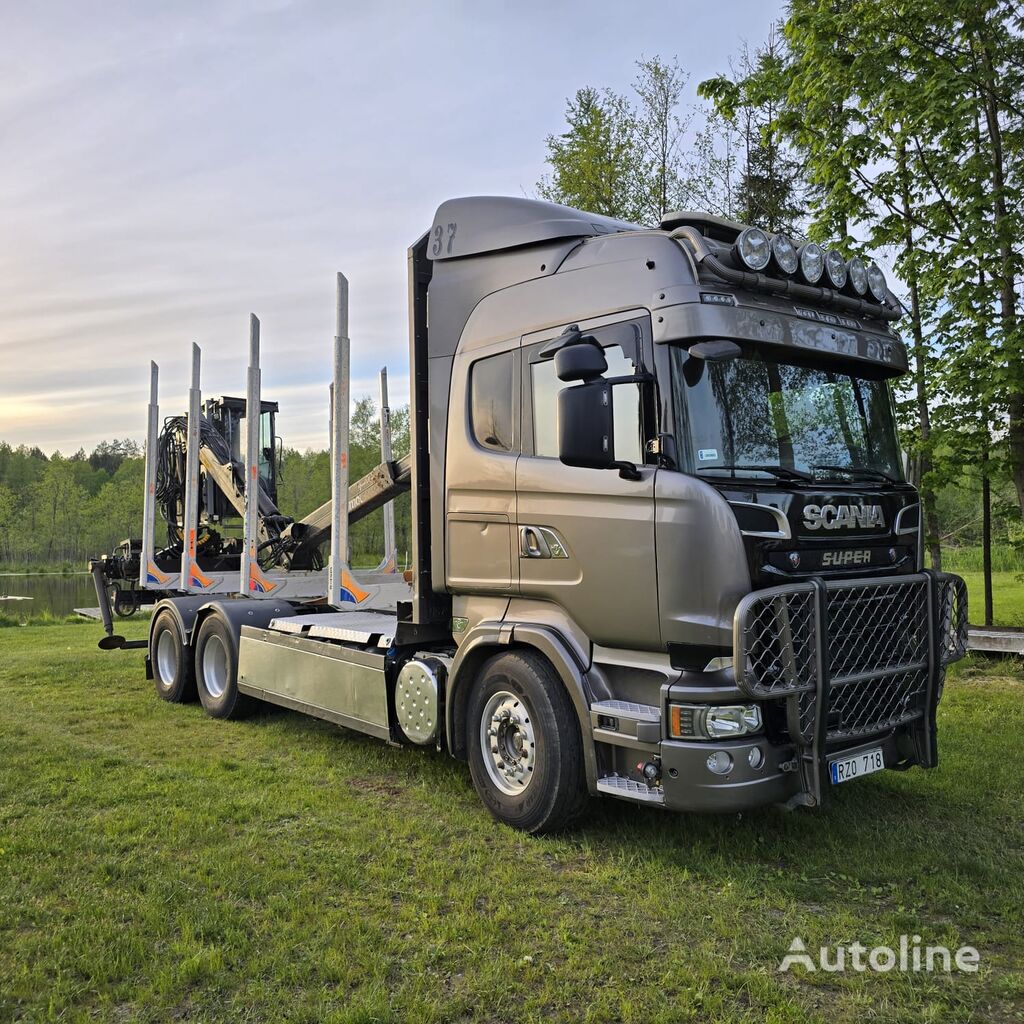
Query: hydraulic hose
{"type": "Point", "coordinates": [762, 282]}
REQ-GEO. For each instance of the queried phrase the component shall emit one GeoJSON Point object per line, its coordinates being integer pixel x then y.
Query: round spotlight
{"type": "Point", "coordinates": [812, 262]}
{"type": "Point", "coordinates": [876, 283]}
{"type": "Point", "coordinates": [835, 269]}
{"type": "Point", "coordinates": [753, 249]}
{"type": "Point", "coordinates": [784, 253]}
{"type": "Point", "coordinates": [719, 763]}
{"type": "Point", "coordinates": [858, 276]}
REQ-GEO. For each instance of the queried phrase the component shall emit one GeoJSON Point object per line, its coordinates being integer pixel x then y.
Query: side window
{"type": "Point", "coordinates": [627, 407]}
{"type": "Point", "coordinates": [490, 401]}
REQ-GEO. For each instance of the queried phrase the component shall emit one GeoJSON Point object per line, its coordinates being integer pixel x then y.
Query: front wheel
{"type": "Point", "coordinates": [525, 751]}
{"type": "Point", "coordinates": [217, 671]}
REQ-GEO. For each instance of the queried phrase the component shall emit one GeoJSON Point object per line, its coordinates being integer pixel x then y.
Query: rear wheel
{"type": "Point", "coordinates": [525, 751]}
{"type": "Point", "coordinates": [217, 670]}
{"type": "Point", "coordinates": [172, 666]}
{"type": "Point", "coordinates": [125, 601]}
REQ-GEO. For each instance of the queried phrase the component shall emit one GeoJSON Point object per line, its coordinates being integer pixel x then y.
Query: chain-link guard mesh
{"type": "Point", "coordinates": [952, 601]}
{"type": "Point", "coordinates": [877, 649]}
{"type": "Point", "coordinates": [776, 632]}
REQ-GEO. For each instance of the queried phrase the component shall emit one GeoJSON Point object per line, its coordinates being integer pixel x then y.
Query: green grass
{"type": "Point", "coordinates": [1007, 597]}
{"type": "Point", "coordinates": [8, 620]}
{"type": "Point", "coordinates": [156, 865]}
{"type": "Point", "coordinates": [971, 559]}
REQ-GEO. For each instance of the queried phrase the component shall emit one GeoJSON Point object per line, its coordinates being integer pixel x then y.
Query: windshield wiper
{"type": "Point", "coordinates": [780, 471]}
{"type": "Point", "coordinates": [864, 472]}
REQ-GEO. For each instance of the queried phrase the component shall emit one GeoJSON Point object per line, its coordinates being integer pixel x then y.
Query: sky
{"type": "Point", "coordinates": [166, 169]}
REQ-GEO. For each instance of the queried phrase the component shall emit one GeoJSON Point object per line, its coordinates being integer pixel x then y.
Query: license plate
{"type": "Point", "coordinates": [846, 769]}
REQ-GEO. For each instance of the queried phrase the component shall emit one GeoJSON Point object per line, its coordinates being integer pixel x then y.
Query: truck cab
{"type": "Point", "coordinates": [735, 578]}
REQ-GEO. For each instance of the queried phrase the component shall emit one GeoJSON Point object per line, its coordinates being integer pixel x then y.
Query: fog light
{"type": "Point", "coordinates": [784, 253]}
{"type": "Point", "coordinates": [755, 758]}
{"type": "Point", "coordinates": [720, 763]}
{"type": "Point", "coordinates": [857, 276]}
{"type": "Point", "coordinates": [812, 262]}
{"type": "Point", "coordinates": [876, 283]}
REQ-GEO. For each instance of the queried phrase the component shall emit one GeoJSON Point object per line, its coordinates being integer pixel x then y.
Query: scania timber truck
{"type": "Point", "coordinates": [663, 548]}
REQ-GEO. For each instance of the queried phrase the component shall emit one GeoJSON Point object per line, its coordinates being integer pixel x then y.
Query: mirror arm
{"type": "Point", "coordinates": [627, 470]}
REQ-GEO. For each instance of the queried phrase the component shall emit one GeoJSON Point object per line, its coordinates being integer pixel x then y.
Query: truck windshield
{"type": "Point", "coordinates": [758, 415]}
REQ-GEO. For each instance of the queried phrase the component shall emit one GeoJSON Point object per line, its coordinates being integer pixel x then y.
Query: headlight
{"type": "Point", "coordinates": [713, 722]}
{"type": "Point", "coordinates": [835, 269]}
{"type": "Point", "coordinates": [858, 276]}
{"type": "Point", "coordinates": [812, 262]}
{"type": "Point", "coordinates": [784, 253]}
{"type": "Point", "coordinates": [876, 283]}
{"type": "Point", "coordinates": [721, 723]}
{"type": "Point", "coordinates": [753, 249]}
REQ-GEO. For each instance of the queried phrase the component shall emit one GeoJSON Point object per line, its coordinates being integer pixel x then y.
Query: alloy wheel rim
{"type": "Point", "coordinates": [166, 657]}
{"type": "Point", "coordinates": [215, 666]}
{"type": "Point", "coordinates": [509, 742]}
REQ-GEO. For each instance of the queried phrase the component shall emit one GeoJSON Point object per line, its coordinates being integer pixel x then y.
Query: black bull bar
{"type": "Point", "coordinates": [851, 659]}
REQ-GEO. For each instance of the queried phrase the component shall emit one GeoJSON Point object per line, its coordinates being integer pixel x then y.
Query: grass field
{"type": "Point", "coordinates": [1007, 597]}
{"type": "Point", "coordinates": [157, 865]}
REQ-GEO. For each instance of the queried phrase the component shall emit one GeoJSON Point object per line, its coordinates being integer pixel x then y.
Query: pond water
{"type": "Point", "coordinates": [57, 593]}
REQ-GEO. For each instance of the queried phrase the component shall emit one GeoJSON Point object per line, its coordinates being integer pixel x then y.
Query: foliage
{"type": "Point", "coordinates": [58, 511]}
{"type": "Point", "coordinates": [638, 159]}
{"type": "Point", "coordinates": [771, 189]}
{"type": "Point", "coordinates": [621, 157]}
{"type": "Point", "coordinates": [908, 121]}
{"type": "Point", "coordinates": [595, 164]}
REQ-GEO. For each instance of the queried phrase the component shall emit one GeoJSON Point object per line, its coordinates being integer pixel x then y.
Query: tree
{"type": "Point", "coordinates": [907, 119]}
{"type": "Point", "coordinates": [770, 188]}
{"type": "Point", "coordinates": [594, 163]}
{"type": "Point", "coordinates": [660, 125]}
{"type": "Point", "coordinates": [619, 157]}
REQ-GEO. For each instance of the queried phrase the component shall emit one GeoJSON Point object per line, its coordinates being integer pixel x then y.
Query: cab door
{"type": "Point", "coordinates": [585, 537]}
{"type": "Point", "coordinates": [480, 495]}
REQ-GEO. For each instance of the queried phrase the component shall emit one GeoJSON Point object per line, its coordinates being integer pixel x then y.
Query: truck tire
{"type": "Point", "coordinates": [125, 601]}
{"type": "Point", "coordinates": [216, 663]}
{"type": "Point", "coordinates": [525, 751]}
{"type": "Point", "coordinates": [172, 665]}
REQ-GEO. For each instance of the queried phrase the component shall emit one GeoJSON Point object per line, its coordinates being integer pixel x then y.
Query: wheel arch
{"type": "Point", "coordinates": [238, 612]}
{"type": "Point", "coordinates": [189, 613]}
{"type": "Point", "coordinates": [490, 638]}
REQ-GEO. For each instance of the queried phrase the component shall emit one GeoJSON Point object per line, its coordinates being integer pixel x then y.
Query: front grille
{"type": "Point", "coordinates": [872, 639]}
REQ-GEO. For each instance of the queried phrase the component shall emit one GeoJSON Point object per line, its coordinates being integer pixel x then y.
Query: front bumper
{"type": "Point", "coordinates": [846, 664]}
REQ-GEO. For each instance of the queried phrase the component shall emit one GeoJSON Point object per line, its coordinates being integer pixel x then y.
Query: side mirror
{"type": "Point", "coordinates": [583, 360]}
{"type": "Point", "coordinates": [586, 432]}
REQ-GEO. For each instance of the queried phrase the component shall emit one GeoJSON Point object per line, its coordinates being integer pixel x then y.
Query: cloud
{"type": "Point", "coordinates": [169, 169]}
